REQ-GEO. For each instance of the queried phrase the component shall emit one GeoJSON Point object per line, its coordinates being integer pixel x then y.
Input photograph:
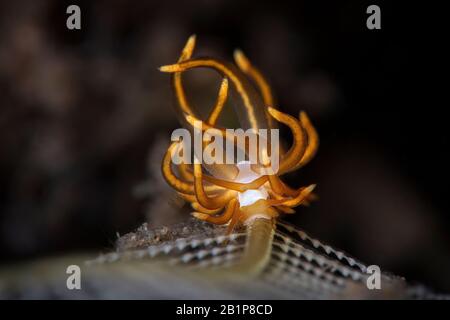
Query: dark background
{"type": "Point", "coordinates": [85, 114]}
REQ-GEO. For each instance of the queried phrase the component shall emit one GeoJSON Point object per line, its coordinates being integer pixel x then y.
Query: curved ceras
{"type": "Point", "coordinates": [251, 198]}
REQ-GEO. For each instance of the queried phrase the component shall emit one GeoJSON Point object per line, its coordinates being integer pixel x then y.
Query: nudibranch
{"type": "Point", "coordinates": [243, 192]}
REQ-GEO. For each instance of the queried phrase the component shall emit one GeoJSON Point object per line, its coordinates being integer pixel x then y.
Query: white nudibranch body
{"type": "Point", "coordinates": [247, 175]}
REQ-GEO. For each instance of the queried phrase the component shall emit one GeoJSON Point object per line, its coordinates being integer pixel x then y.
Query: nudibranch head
{"type": "Point", "coordinates": [231, 193]}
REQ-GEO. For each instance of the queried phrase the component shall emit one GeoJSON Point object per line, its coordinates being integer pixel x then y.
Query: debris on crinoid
{"type": "Point", "coordinates": [144, 237]}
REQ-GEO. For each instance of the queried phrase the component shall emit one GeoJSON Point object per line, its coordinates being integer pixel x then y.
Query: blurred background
{"type": "Point", "coordinates": [85, 115]}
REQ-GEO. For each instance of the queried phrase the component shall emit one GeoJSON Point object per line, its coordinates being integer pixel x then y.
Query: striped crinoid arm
{"type": "Point", "coordinates": [293, 265]}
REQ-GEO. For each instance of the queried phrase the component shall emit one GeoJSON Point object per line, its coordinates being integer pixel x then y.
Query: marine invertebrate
{"type": "Point", "coordinates": [242, 192]}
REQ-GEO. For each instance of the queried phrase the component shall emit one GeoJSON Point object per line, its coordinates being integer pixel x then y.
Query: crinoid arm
{"type": "Point", "coordinates": [260, 233]}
